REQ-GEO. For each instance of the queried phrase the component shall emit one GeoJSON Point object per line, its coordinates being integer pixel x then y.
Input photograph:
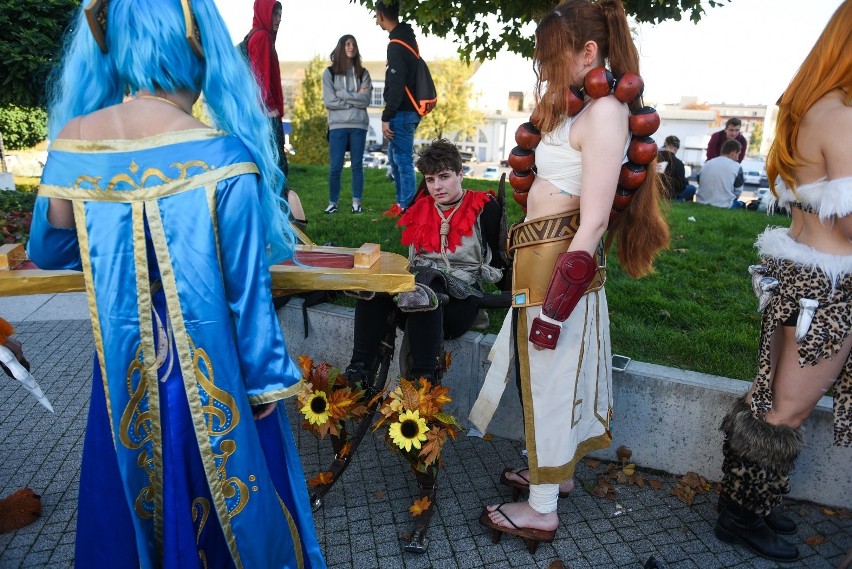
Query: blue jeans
{"type": "Point", "coordinates": [687, 194]}
{"type": "Point", "coordinates": [339, 139]}
{"type": "Point", "coordinates": [400, 155]}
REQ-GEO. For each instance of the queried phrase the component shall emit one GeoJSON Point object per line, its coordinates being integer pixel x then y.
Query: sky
{"type": "Point", "coordinates": [742, 52]}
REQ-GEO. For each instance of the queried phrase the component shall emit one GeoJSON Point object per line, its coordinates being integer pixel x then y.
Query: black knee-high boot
{"type": "Point", "coordinates": [758, 457]}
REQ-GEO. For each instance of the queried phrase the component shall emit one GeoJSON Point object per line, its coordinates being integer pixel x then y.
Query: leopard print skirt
{"type": "Point", "coordinates": [805, 287]}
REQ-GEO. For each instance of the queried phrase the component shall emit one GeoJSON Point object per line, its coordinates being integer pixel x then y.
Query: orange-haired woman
{"type": "Point", "coordinates": [562, 329]}
{"type": "Point", "coordinates": [804, 283]}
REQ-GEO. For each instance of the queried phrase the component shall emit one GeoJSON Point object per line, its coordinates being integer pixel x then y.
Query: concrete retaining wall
{"type": "Point", "coordinates": [667, 416]}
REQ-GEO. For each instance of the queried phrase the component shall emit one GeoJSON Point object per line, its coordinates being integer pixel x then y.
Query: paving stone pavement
{"type": "Point", "coordinates": [365, 516]}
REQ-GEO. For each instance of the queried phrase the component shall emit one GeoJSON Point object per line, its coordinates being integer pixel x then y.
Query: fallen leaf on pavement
{"type": "Point", "coordinates": [592, 463]}
{"type": "Point", "coordinates": [321, 479]}
{"type": "Point", "coordinates": [624, 453]}
{"type": "Point", "coordinates": [420, 506]}
{"type": "Point", "coordinates": [655, 484]}
{"type": "Point", "coordinates": [815, 540]}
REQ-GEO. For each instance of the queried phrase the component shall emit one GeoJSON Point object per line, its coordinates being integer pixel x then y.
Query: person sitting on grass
{"type": "Point", "coordinates": [721, 180]}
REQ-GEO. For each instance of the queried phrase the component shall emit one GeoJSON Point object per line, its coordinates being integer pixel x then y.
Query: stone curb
{"type": "Point", "coordinates": [669, 417]}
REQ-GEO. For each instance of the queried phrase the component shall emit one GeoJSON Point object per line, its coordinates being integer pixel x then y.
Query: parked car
{"type": "Point", "coordinates": [467, 156]}
{"type": "Point", "coordinates": [491, 173]}
{"type": "Point", "coordinates": [377, 148]}
{"type": "Point", "coordinates": [467, 169]}
{"type": "Point", "coordinates": [754, 173]}
{"type": "Point", "coordinates": [375, 160]}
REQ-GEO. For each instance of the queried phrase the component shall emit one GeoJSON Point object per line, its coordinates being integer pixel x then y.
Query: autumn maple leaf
{"type": "Point", "coordinates": [433, 398]}
{"type": "Point", "coordinates": [321, 479]}
{"type": "Point", "coordinates": [410, 395]}
{"type": "Point", "coordinates": [322, 374]}
{"type": "Point", "coordinates": [420, 506]}
{"type": "Point", "coordinates": [431, 450]}
{"type": "Point", "coordinates": [344, 452]}
{"type": "Point", "coordinates": [305, 364]}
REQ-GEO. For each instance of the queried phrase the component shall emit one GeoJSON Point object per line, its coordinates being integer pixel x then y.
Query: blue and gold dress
{"type": "Point", "coordinates": [176, 473]}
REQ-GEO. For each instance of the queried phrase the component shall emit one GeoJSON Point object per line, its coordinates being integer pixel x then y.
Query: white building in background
{"type": "Point", "coordinates": [503, 92]}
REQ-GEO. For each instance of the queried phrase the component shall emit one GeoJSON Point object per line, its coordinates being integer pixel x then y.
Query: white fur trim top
{"type": "Point", "coordinates": [828, 198]}
{"type": "Point", "coordinates": [776, 242]}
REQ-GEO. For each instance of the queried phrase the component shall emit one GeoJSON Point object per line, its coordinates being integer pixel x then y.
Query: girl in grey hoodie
{"type": "Point", "coordinates": [346, 92]}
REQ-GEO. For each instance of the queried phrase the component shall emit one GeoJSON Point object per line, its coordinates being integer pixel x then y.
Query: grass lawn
{"type": "Point", "coordinates": [696, 312]}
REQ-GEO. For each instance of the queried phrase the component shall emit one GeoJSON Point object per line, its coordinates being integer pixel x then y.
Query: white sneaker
{"type": "Point", "coordinates": [356, 208]}
{"type": "Point", "coordinates": [332, 208]}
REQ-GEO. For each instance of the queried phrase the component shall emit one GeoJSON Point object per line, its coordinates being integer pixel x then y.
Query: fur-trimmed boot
{"type": "Point", "coordinates": [758, 459]}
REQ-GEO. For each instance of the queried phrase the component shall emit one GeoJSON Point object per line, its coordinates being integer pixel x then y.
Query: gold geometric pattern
{"type": "Point", "coordinates": [556, 227]}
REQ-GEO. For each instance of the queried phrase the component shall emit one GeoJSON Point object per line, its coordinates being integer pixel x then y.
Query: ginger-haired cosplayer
{"type": "Point", "coordinates": [804, 286]}
{"type": "Point", "coordinates": [589, 140]}
{"type": "Point", "coordinates": [188, 458]}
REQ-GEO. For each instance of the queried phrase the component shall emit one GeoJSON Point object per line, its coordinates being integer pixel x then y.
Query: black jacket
{"type": "Point", "coordinates": [400, 72]}
{"type": "Point", "coordinates": [674, 176]}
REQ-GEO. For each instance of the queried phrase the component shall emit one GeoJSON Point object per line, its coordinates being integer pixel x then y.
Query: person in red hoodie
{"type": "Point", "coordinates": [264, 63]}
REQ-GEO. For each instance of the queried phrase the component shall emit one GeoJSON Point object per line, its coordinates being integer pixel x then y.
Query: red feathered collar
{"type": "Point", "coordinates": [422, 222]}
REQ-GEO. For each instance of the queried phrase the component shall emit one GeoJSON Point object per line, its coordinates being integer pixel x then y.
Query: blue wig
{"type": "Point", "coordinates": [148, 49]}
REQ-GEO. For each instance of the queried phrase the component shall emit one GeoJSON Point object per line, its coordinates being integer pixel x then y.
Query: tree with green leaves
{"type": "Point", "coordinates": [481, 28]}
{"type": "Point", "coordinates": [309, 118]}
{"type": "Point", "coordinates": [30, 40]}
{"type": "Point", "coordinates": [756, 138]}
{"type": "Point", "coordinates": [453, 113]}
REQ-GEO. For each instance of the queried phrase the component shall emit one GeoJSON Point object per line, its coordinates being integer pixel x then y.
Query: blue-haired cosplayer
{"type": "Point", "coordinates": [188, 458]}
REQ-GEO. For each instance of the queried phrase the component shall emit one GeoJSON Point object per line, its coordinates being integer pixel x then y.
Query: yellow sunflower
{"type": "Point", "coordinates": [316, 409]}
{"type": "Point", "coordinates": [409, 431]}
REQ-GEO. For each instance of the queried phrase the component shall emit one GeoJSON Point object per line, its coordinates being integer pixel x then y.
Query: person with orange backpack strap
{"type": "Point", "coordinates": [400, 117]}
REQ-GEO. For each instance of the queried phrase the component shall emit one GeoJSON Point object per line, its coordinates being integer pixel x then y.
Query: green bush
{"type": "Point", "coordinates": [16, 201]}
{"type": "Point", "coordinates": [15, 216]}
{"type": "Point", "coordinates": [22, 127]}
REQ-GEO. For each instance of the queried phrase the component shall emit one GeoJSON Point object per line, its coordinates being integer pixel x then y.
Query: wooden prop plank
{"type": "Point", "coordinates": [315, 268]}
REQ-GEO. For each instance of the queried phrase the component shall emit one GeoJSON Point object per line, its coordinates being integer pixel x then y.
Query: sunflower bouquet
{"type": "Point", "coordinates": [327, 400]}
{"type": "Point", "coordinates": [417, 425]}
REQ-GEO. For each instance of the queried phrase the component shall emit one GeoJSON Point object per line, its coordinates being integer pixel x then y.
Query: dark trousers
{"type": "Point", "coordinates": [278, 133]}
{"type": "Point", "coordinates": [425, 330]}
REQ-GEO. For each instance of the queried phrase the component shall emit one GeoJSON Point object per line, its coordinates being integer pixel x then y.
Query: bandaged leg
{"type": "Point", "coordinates": [543, 497]}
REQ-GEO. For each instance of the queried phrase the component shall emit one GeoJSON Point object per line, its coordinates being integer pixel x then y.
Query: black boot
{"type": "Point", "coordinates": [737, 524]}
{"type": "Point", "coordinates": [777, 522]}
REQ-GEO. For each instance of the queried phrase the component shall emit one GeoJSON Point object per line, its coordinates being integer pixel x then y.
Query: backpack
{"type": "Point", "coordinates": [242, 47]}
{"type": "Point", "coordinates": [425, 97]}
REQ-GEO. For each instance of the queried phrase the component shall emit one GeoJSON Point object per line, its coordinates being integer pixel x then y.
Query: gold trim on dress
{"type": "Point", "coordinates": [149, 358]}
{"type": "Point", "coordinates": [535, 246]}
{"type": "Point", "coordinates": [276, 395]}
{"type": "Point", "coordinates": [79, 209]}
{"type": "Point", "coordinates": [294, 535]}
{"type": "Point", "coordinates": [137, 191]}
{"type": "Point", "coordinates": [126, 145]}
{"type": "Point", "coordinates": [184, 353]}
